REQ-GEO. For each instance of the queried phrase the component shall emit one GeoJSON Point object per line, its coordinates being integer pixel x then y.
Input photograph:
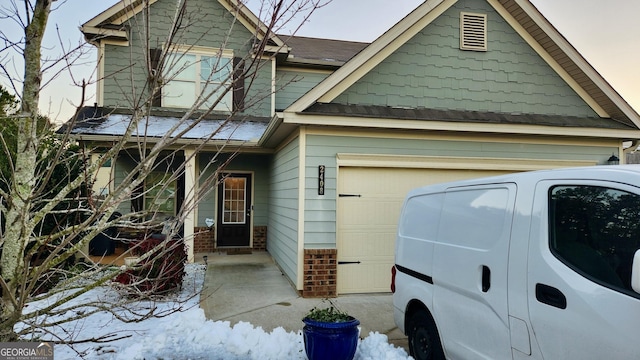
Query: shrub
{"type": "Point", "coordinates": [160, 269]}
{"type": "Point", "coordinates": [330, 314]}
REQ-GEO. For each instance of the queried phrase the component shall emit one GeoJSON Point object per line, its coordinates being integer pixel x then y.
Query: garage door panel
{"type": "Point", "coordinates": [360, 212]}
{"type": "Point", "coordinates": [367, 223]}
{"type": "Point", "coordinates": [364, 277]}
{"type": "Point", "coordinates": [376, 244]}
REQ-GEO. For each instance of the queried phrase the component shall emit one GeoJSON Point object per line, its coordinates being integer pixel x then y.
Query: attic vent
{"type": "Point", "coordinates": [473, 31]}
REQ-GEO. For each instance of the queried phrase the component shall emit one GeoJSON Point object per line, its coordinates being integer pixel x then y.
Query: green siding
{"type": "Point", "coordinates": [282, 241]}
{"type": "Point", "coordinates": [430, 71]}
{"type": "Point", "coordinates": [291, 85]}
{"type": "Point", "coordinates": [320, 210]}
{"type": "Point", "coordinates": [258, 164]}
{"type": "Point", "coordinates": [125, 65]}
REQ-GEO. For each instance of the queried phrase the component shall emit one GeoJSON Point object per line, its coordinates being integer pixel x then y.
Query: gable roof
{"type": "Point", "coordinates": [109, 24]}
{"type": "Point", "coordinates": [308, 51]}
{"type": "Point", "coordinates": [386, 112]}
{"type": "Point", "coordinates": [524, 18]}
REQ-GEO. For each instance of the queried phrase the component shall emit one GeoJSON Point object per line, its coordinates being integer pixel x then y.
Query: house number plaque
{"type": "Point", "coordinates": [321, 180]}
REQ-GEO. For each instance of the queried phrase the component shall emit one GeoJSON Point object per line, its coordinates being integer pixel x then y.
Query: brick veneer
{"type": "Point", "coordinates": [320, 272]}
{"type": "Point", "coordinates": [259, 238]}
{"type": "Point", "coordinates": [204, 239]}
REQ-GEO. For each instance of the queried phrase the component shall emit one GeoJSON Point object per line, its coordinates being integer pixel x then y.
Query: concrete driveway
{"type": "Point", "coordinates": [251, 288]}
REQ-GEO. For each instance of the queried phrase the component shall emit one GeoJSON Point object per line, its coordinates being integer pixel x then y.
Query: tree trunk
{"type": "Point", "coordinates": [18, 229]}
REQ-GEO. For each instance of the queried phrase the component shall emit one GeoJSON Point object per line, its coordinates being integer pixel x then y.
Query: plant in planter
{"type": "Point", "coordinates": [330, 333]}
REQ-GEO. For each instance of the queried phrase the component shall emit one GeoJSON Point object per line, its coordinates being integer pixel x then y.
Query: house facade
{"type": "Point", "coordinates": [320, 167]}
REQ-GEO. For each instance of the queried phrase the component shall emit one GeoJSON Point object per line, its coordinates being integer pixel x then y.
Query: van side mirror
{"type": "Point", "coordinates": [635, 272]}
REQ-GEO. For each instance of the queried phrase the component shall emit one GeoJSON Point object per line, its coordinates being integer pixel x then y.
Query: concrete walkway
{"type": "Point", "coordinates": [251, 288]}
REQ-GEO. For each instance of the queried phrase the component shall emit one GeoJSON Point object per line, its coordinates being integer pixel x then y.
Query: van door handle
{"type": "Point", "coordinates": [486, 278]}
{"type": "Point", "coordinates": [551, 296]}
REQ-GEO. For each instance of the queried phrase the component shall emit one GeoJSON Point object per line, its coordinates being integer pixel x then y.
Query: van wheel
{"type": "Point", "coordinates": [424, 341]}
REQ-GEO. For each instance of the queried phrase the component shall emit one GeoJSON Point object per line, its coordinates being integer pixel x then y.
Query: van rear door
{"type": "Point", "coordinates": [470, 271]}
{"type": "Point", "coordinates": [583, 237]}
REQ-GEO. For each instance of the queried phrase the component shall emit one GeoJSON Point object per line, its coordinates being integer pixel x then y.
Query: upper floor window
{"type": "Point", "coordinates": [596, 231]}
{"type": "Point", "coordinates": [193, 76]}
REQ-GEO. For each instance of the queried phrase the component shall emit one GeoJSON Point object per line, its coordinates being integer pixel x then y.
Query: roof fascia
{"type": "Point", "coordinates": [132, 7]}
{"type": "Point", "coordinates": [578, 59]}
{"type": "Point", "coordinates": [373, 54]}
{"type": "Point", "coordinates": [121, 35]}
{"type": "Point", "coordinates": [153, 140]}
{"type": "Point", "coordinates": [135, 5]}
{"type": "Point", "coordinates": [388, 123]}
{"type": "Point", "coordinates": [246, 18]}
{"type": "Point", "coordinates": [134, 11]}
{"type": "Point", "coordinates": [253, 23]}
{"type": "Point", "coordinates": [273, 126]}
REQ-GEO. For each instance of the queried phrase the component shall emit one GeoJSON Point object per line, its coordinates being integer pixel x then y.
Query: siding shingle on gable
{"type": "Point", "coordinates": [430, 71]}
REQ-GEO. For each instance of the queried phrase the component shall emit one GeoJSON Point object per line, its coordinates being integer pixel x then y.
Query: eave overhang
{"type": "Point", "coordinates": [459, 121]}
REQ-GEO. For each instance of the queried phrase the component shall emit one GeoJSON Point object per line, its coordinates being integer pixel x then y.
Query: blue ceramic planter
{"type": "Point", "coordinates": [330, 341]}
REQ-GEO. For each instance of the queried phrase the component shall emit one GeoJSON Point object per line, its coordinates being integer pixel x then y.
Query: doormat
{"type": "Point", "coordinates": [238, 251]}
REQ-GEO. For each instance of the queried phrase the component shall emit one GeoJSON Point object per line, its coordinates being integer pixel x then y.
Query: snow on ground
{"type": "Point", "coordinates": [187, 334]}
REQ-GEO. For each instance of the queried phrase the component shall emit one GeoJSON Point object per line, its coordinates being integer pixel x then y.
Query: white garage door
{"type": "Point", "coordinates": [369, 205]}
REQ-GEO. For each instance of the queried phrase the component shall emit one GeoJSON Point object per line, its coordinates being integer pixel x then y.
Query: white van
{"type": "Point", "coordinates": [538, 265]}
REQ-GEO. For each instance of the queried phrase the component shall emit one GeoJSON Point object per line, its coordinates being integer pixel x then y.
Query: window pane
{"type": "Point", "coordinates": [215, 69]}
{"type": "Point", "coordinates": [234, 200]}
{"type": "Point", "coordinates": [182, 67]}
{"type": "Point", "coordinates": [179, 94]}
{"type": "Point", "coordinates": [213, 72]}
{"type": "Point", "coordinates": [596, 232]}
{"type": "Point", "coordinates": [160, 195]}
{"type": "Point", "coordinates": [192, 75]}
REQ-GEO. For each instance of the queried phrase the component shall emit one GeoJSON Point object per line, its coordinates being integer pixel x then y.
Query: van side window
{"type": "Point", "coordinates": [596, 232]}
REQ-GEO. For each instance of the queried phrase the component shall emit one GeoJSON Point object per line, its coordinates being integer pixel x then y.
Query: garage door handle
{"type": "Point", "coordinates": [349, 195]}
{"type": "Point", "coordinates": [348, 262]}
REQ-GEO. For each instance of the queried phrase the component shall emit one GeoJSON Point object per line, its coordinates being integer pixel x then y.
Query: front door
{"type": "Point", "coordinates": [234, 211]}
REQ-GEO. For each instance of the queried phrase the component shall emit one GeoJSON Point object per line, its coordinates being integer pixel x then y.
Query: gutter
{"type": "Point", "coordinates": [274, 124]}
{"type": "Point", "coordinates": [153, 140]}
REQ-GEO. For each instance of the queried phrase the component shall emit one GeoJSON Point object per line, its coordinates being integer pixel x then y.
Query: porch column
{"type": "Point", "coordinates": [190, 205]}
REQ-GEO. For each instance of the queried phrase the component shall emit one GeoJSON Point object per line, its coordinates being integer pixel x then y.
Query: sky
{"type": "Point", "coordinates": [606, 33]}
